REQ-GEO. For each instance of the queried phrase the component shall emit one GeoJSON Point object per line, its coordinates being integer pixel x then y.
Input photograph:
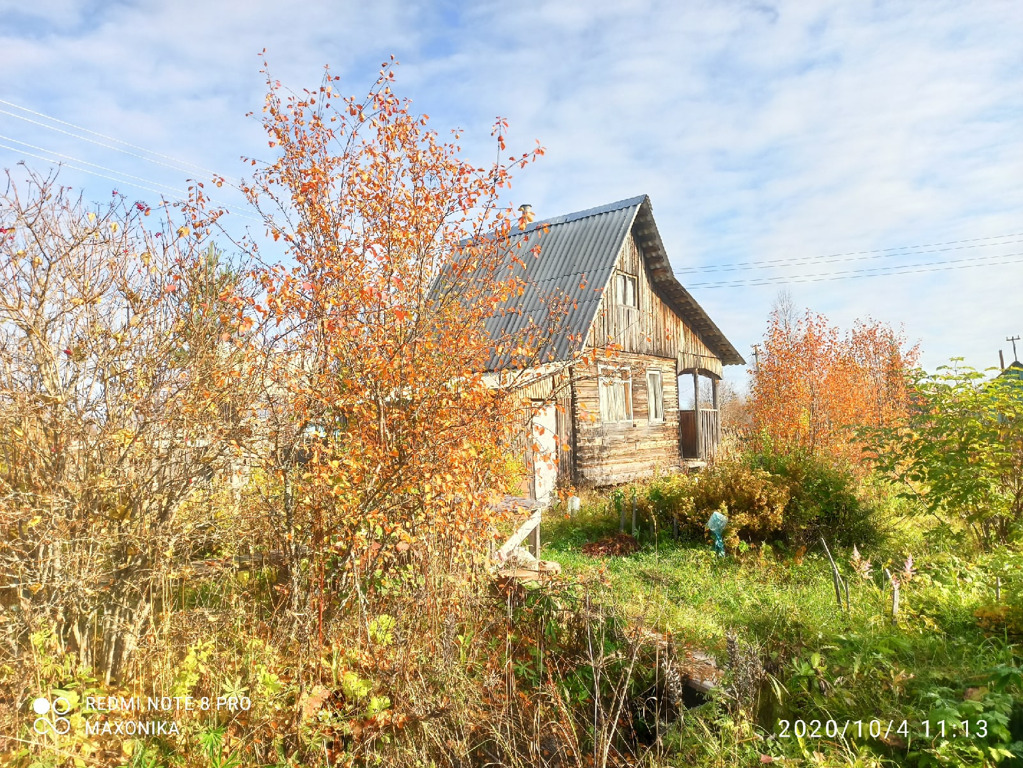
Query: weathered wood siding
{"type": "Point", "coordinates": [650, 336]}
{"type": "Point", "coordinates": [607, 454]}
{"type": "Point", "coordinates": [653, 328]}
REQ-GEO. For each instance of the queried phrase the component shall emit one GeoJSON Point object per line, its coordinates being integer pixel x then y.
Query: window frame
{"type": "Point", "coordinates": [623, 279]}
{"type": "Point", "coordinates": [615, 376]}
{"type": "Point", "coordinates": [652, 373]}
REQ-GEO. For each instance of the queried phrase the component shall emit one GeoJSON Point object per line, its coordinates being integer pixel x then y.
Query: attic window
{"type": "Point", "coordinates": [625, 290]}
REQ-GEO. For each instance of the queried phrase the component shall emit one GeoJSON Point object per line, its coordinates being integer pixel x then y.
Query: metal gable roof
{"type": "Point", "coordinates": [1013, 370]}
{"type": "Point", "coordinates": [577, 254]}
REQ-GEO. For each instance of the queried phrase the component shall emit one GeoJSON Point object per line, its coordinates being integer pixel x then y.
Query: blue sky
{"type": "Point", "coordinates": [762, 131]}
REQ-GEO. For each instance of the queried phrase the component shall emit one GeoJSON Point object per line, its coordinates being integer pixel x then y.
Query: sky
{"type": "Point", "coordinates": [865, 156]}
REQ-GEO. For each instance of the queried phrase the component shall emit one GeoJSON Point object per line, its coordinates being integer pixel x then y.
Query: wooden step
{"type": "Point", "coordinates": [545, 569]}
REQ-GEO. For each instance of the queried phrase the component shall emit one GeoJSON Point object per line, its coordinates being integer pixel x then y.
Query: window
{"type": "Point", "coordinates": [655, 397]}
{"type": "Point", "coordinates": [625, 290]}
{"type": "Point", "coordinates": [615, 395]}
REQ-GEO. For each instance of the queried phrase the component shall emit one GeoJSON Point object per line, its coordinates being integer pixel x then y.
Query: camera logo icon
{"type": "Point", "coordinates": [51, 715]}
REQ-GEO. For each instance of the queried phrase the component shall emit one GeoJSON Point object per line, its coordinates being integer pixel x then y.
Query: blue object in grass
{"type": "Point", "coordinates": [716, 525]}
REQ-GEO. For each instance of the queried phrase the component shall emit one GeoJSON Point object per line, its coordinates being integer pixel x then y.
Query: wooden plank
{"type": "Point", "coordinates": [508, 577]}
{"type": "Point", "coordinates": [687, 434]}
{"type": "Point", "coordinates": [696, 407]}
{"type": "Point", "coordinates": [520, 535]}
{"type": "Point", "coordinates": [534, 540]}
{"type": "Point", "coordinates": [655, 329]}
{"type": "Point", "coordinates": [710, 434]}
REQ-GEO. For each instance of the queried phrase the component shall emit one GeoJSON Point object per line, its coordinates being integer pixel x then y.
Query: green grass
{"type": "Point", "coordinates": [935, 662]}
{"type": "Point", "coordinates": [684, 588]}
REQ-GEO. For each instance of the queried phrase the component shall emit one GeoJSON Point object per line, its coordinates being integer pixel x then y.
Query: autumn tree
{"type": "Point", "coordinates": [733, 408]}
{"type": "Point", "coordinates": [124, 351]}
{"type": "Point", "coordinates": [814, 386]}
{"type": "Point", "coordinates": [387, 440]}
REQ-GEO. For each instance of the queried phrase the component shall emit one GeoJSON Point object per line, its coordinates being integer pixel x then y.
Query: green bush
{"type": "Point", "coordinates": [961, 454]}
{"type": "Point", "coordinates": [823, 499]}
{"type": "Point", "coordinates": [767, 497]}
{"type": "Point", "coordinates": [752, 499]}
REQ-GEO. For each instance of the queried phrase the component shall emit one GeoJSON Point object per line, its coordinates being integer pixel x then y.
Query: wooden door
{"type": "Point", "coordinates": [544, 450]}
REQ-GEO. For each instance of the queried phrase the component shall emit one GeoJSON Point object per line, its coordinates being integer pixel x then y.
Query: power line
{"type": "Point", "coordinates": [82, 170]}
{"type": "Point", "coordinates": [174, 190]}
{"type": "Point", "coordinates": [181, 165]}
{"type": "Point", "coordinates": [177, 161]}
{"type": "Point", "coordinates": [97, 143]}
{"type": "Point", "coordinates": [122, 178]}
{"type": "Point", "coordinates": [937, 266]}
{"type": "Point", "coordinates": [879, 253]}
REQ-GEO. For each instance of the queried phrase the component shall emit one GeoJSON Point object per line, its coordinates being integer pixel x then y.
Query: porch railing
{"type": "Point", "coordinates": [699, 440]}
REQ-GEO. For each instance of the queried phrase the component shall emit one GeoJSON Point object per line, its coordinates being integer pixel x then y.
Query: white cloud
{"type": "Point", "coordinates": [799, 128]}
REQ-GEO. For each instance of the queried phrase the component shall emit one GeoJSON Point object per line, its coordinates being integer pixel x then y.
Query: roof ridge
{"type": "Point", "coordinates": [567, 218]}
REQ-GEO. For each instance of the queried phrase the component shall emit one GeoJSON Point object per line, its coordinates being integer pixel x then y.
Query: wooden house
{"type": "Point", "coordinates": [1013, 372]}
{"type": "Point", "coordinates": [605, 399]}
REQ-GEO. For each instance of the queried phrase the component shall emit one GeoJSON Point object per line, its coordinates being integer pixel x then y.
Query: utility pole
{"type": "Point", "coordinates": [756, 356]}
{"type": "Point", "coordinates": [1013, 339]}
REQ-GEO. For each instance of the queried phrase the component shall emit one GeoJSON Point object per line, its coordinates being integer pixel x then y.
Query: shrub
{"type": "Point", "coordinates": [767, 496]}
{"type": "Point", "coordinates": [961, 454]}
{"type": "Point", "coordinates": [823, 499]}
{"type": "Point", "coordinates": [754, 500]}
{"type": "Point", "coordinates": [751, 498]}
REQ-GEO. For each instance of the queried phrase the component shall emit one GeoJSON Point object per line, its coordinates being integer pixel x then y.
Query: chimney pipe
{"type": "Point", "coordinates": [525, 209]}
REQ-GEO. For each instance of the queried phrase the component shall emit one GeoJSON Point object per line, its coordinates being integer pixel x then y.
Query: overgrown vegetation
{"type": "Point", "coordinates": [245, 508]}
{"type": "Point", "coordinates": [790, 498]}
{"type": "Point", "coordinates": [950, 654]}
{"type": "Point", "coordinates": [961, 450]}
{"type": "Point", "coordinates": [815, 385]}
{"type": "Point", "coordinates": [215, 472]}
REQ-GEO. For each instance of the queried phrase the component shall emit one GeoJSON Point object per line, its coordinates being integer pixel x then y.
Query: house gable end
{"type": "Point", "coordinates": [567, 288]}
{"type": "Point", "coordinates": [667, 285]}
{"type": "Point", "coordinates": [653, 327]}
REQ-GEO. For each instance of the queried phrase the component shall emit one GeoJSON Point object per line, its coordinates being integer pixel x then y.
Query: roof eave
{"type": "Point", "coordinates": [663, 277]}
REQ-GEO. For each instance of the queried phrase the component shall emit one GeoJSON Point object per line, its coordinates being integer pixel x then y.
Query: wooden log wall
{"type": "Point", "coordinates": [687, 434]}
{"type": "Point", "coordinates": [608, 454]}
{"type": "Point", "coordinates": [710, 433]}
{"type": "Point", "coordinates": [702, 445]}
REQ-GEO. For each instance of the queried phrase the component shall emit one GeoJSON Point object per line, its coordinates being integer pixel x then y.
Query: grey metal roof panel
{"type": "Point", "coordinates": [577, 253]}
{"type": "Point", "coordinates": [576, 257]}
